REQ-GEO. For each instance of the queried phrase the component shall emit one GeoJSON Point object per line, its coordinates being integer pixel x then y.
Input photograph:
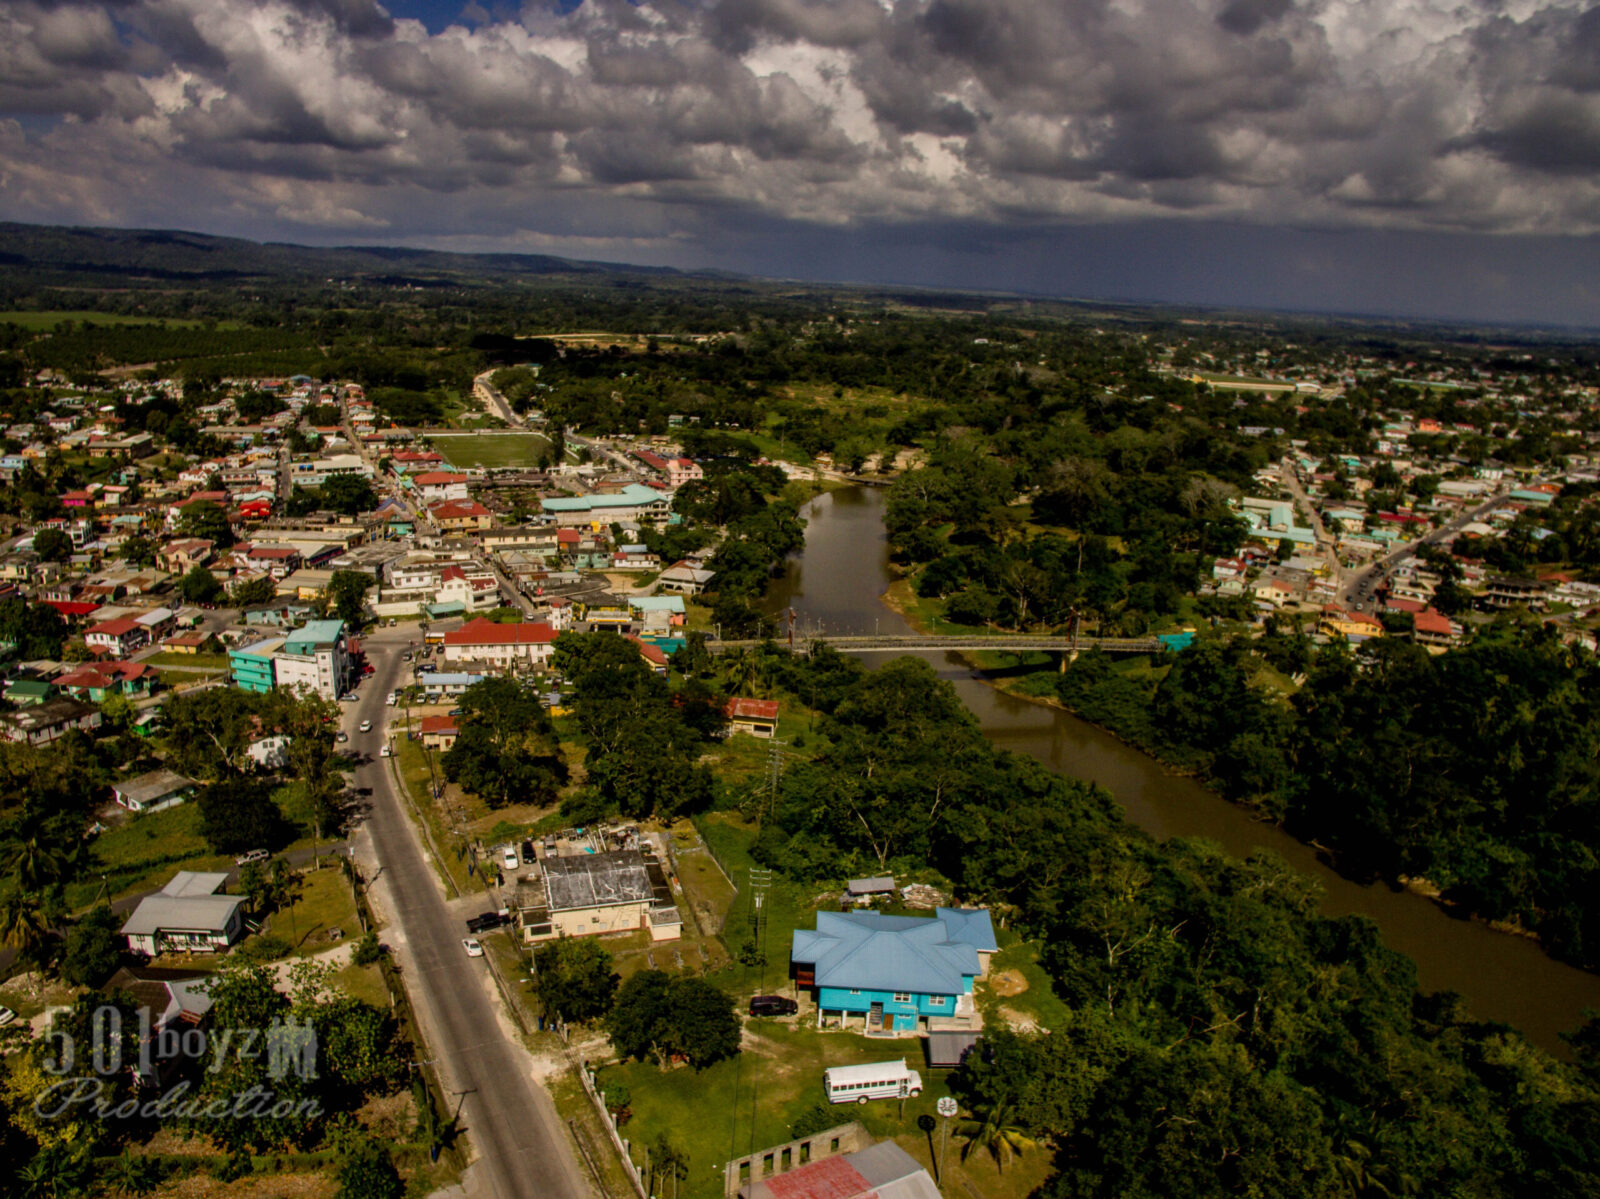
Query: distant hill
{"type": "Point", "coordinates": [66, 256]}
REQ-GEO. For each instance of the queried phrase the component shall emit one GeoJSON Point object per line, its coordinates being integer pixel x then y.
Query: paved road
{"type": "Point", "coordinates": [523, 1148]}
{"type": "Point", "coordinates": [1350, 596]}
{"type": "Point", "coordinates": [495, 401]}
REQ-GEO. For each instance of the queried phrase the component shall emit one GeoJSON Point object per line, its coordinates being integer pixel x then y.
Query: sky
{"type": "Point", "coordinates": [1409, 157]}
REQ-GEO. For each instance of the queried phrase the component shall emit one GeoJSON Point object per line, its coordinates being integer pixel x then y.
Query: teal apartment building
{"type": "Point", "coordinates": [252, 666]}
{"type": "Point", "coordinates": [898, 973]}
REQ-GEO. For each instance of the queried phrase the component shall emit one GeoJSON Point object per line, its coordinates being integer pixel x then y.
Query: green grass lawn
{"type": "Point", "coordinates": [491, 450]}
{"type": "Point", "coordinates": [750, 1101]}
{"type": "Point", "coordinates": [413, 763]}
{"type": "Point", "coordinates": [1019, 984]}
{"type": "Point", "coordinates": [324, 902]}
{"type": "Point", "coordinates": [206, 661]}
{"type": "Point", "coordinates": [364, 983]}
{"type": "Point", "coordinates": [148, 850]}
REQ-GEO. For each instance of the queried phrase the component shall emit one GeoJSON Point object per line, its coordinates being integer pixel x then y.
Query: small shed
{"type": "Point", "coordinates": [865, 890]}
{"type": "Point", "coordinates": [946, 1050]}
{"type": "Point", "coordinates": [154, 791]}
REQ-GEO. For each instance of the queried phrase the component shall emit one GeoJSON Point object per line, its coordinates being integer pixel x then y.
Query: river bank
{"type": "Point", "coordinates": [838, 583]}
{"type": "Point", "coordinates": [902, 600]}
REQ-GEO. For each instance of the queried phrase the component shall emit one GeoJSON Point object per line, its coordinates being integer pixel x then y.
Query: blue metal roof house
{"type": "Point", "coordinates": [899, 973]}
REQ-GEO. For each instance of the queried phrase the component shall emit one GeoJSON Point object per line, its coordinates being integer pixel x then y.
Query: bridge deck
{"type": "Point", "coordinates": [929, 641]}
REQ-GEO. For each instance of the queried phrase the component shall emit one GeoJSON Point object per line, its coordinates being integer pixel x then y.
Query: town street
{"type": "Point", "coordinates": [522, 1149]}
{"type": "Point", "coordinates": [1359, 589]}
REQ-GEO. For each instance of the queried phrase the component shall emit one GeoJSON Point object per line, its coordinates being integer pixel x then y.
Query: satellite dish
{"type": "Point", "coordinates": [946, 1107]}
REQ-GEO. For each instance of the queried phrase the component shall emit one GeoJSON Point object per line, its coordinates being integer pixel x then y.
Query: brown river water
{"type": "Point", "coordinates": [836, 585]}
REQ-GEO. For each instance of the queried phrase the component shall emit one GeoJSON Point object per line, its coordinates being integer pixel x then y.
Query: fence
{"type": "Point", "coordinates": [620, 1142]}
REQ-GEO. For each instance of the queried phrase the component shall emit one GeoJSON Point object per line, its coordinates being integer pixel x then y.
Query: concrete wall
{"type": "Point", "coordinates": [778, 1159]}
{"type": "Point", "coordinates": [623, 917]}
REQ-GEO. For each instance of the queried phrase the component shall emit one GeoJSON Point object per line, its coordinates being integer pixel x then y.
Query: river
{"type": "Point", "coordinates": [836, 585]}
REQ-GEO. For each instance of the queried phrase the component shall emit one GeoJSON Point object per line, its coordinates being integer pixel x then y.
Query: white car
{"type": "Point", "coordinates": [6, 1016]}
{"type": "Point", "coordinates": [509, 859]}
{"type": "Point", "coordinates": [470, 944]}
{"type": "Point", "coordinates": [366, 726]}
{"type": "Point", "coordinates": [255, 855]}
{"type": "Point", "coordinates": [394, 698]}
{"type": "Point", "coordinates": [386, 752]}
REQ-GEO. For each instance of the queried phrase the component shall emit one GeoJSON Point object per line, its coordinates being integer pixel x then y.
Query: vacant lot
{"type": "Point", "coordinates": [492, 451]}
{"type": "Point", "coordinates": [751, 1102]}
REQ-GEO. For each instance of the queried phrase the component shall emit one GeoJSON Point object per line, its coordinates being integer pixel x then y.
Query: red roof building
{"type": "Point", "coordinates": [758, 717]}
{"type": "Point", "coordinates": [500, 644]}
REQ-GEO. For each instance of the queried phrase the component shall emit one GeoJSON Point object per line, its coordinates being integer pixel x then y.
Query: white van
{"type": "Point", "coordinates": [394, 698]}
{"type": "Point", "coordinates": [875, 1080]}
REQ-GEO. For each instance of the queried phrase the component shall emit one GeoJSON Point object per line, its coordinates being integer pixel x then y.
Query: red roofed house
{"type": "Point", "coordinates": [121, 637]}
{"type": "Point", "coordinates": [461, 514]}
{"type": "Point", "coordinates": [439, 732]}
{"type": "Point", "coordinates": [179, 557]}
{"type": "Point", "coordinates": [653, 655]}
{"type": "Point", "coordinates": [437, 486]}
{"type": "Point", "coordinates": [758, 717]}
{"type": "Point", "coordinates": [500, 644]}
{"type": "Point", "coordinates": [77, 499]}
{"type": "Point", "coordinates": [74, 610]}
{"type": "Point", "coordinates": [279, 561]}
{"type": "Point", "coordinates": [1432, 627]}
{"type": "Point", "coordinates": [94, 681]}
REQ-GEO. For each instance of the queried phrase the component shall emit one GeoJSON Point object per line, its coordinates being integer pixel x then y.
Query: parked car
{"type": "Point", "coordinates": [6, 1016]}
{"type": "Point", "coordinates": [483, 922]}
{"type": "Point", "coordinates": [392, 699]}
{"type": "Point", "coordinates": [366, 726]}
{"type": "Point", "coordinates": [349, 697]}
{"type": "Point", "coordinates": [470, 944]}
{"type": "Point", "coordinates": [509, 858]}
{"type": "Point", "coordinates": [406, 657]}
{"type": "Point", "coordinates": [773, 1005]}
{"type": "Point", "coordinates": [343, 736]}
{"type": "Point", "coordinates": [527, 851]}
{"type": "Point", "coordinates": [386, 752]}
{"type": "Point", "coordinates": [255, 855]}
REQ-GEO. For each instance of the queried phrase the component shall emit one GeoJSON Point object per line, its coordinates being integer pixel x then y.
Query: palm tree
{"type": "Point", "coordinates": [995, 1129]}
{"type": "Point", "coordinates": [35, 863]}
{"type": "Point", "coordinates": [23, 927]}
{"type": "Point", "coordinates": [134, 1175]}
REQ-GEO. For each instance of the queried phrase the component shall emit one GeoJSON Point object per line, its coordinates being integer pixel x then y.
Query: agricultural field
{"type": "Point", "coordinates": [491, 451]}
{"type": "Point", "coordinates": [45, 322]}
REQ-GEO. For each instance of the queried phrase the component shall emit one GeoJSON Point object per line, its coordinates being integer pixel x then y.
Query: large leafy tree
{"type": "Point", "coordinates": [37, 630]}
{"type": "Point", "coordinates": [200, 586]}
{"type": "Point", "coordinates": [575, 978]}
{"type": "Point", "coordinates": [238, 814]}
{"type": "Point", "coordinates": [508, 751]}
{"type": "Point", "coordinates": [658, 1015]}
{"type": "Point", "coordinates": [207, 519]}
{"type": "Point", "coordinates": [347, 592]}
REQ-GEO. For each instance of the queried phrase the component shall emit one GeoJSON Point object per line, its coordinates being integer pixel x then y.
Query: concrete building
{"type": "Point", "coordinates": [315, 658]}
{"type": "Point", "coordinates": [633, 504]}
{"type": "Point", "coordinates": [581, 894]}
{"type": "Point", "coordinates": [500, 645]}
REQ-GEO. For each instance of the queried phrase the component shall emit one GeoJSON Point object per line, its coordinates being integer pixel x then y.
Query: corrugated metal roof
{"type": "Point", "coordinates": [867, 951]}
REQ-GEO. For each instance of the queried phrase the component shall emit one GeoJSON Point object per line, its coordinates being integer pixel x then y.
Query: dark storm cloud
{"type": "Point", "coordinates": [671, 116]}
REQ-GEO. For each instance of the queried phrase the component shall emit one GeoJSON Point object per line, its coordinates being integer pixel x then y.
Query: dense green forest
{"type": "Point", "coordinates": [1223, 1038]}
{"type": "Point", "coordinates": [1474, 770]}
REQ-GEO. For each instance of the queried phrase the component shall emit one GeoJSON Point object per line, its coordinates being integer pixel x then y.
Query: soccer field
{"type": "Point", "coordinates": [491, 450]}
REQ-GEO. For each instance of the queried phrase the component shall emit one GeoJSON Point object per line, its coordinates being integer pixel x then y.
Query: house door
{"type": "Point", "coordinates": [875, 1019]}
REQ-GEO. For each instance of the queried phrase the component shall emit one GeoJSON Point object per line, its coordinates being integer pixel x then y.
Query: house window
{"type": "Point", "coordinates": [855, 990]}
{"type": "Point", "coordinates": [902, 997]}
{"type": "Point", "coordinates": [935, 1000]}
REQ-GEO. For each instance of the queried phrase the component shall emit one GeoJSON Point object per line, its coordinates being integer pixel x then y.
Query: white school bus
{"type": "Point", "coordinates": [875, 1080]}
